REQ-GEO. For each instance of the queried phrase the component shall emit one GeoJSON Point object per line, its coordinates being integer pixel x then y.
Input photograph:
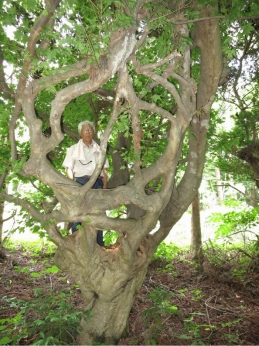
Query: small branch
{"type": "Point", "coordinates": [140, 42]}
{"type": "Point", "coordinates": [161, 62]}
{"type": "Point", "coordinates": [62, 74]}
{"type": "Point", "coordinates": [233, 187]}
{"type": "Point", "coordinates": [2, 180]}
{"type": "Point", "coordinates": [56, 236]}
{"type": "Point", "coordinates": [180, 162]}
{"type": "Point", "coordinates": [35, 32]}
{"type": "Point", "coordinates": [237, 232]}
{"type": "Point", "coordinates": [172, 89]}
{"type": "Point", "coordinates": [152, 107]}
{"type": "Point", "coordinates": [9, 218]}
{"type": "Point", "coordinates": [245, 253]}
{"type": "Point", "coordinates": [179, 21]}
{"type": "Point", "coordinates": [28, 206]}
{"type": "Point", "coordinates": [240, 99]}
{"type": "Point", "coordinates": [37, 188]}
{"type": "Point", "coordinates": [4, 88]}
{"type": "Point", "coordinates": [137, 135]}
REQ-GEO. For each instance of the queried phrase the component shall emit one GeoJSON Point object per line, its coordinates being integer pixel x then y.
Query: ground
{"type": "Point", "coordinates": [175, 306]}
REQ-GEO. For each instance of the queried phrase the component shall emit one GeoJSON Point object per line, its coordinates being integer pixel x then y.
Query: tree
{"type": "Point", "coordinates": [158, 76]}
{"type": "Point", "coordinates": [196, 237]}
{"type": "Point", "coordinates": [237, 148]}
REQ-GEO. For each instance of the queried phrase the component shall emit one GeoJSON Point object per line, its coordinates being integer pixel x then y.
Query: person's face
{"type": "Point", "coordinates": [87, 133]}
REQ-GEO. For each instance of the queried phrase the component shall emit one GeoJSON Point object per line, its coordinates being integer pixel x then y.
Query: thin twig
{"type": "Point", "coordinates": [233, 187]}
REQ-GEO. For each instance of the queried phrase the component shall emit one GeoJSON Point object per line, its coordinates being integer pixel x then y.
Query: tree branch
{"type": "Point", "coordinates": [8, 218]}
{"type": "Point", "coordinates": [35, 32]}
{"type": "Point", "coordinates": [4, 88]}
{"type": "Point", "coordinates": [233, 187]}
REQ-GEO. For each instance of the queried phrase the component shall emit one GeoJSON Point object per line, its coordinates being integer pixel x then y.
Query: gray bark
{"type": "Point", "coordinates": [253, 200]}
{"type": "Point", "coordinates": [2, 250]}
{"type": "Point", "coordinates": [196, 236]}
{"type": "Point", "coordinates": [109, 280]}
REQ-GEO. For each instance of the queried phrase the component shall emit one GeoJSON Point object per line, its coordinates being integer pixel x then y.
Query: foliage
{"type": "Point", "coordinates": [49, 318]}
{"type": "Point", "coordinates": [159, 307]}
{"type": "Point", "coordinates": [228, 143]}
{"type": "Point", "coordinates": [166, 251]}
{"type": "Point", "coordinates": [36, 248]}
{"type": "Point", "coordinates": [238, 102]}
{"type": "Point", "coordinates": [193, 330]}
{"type": "Point", "coordinates": [239, 259]}
{"type": "Point", "coordinates": [110, 238]}
{"type": "Point", "coordinates": [164, 306]}
{"type": "Point", "coordinates": [234, 222]}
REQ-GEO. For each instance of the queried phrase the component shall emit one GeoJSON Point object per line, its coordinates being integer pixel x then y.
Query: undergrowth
{"type": "Point", "coordinates": [50, 317]}
{"type": "Point", "coordinates": [47, 319]}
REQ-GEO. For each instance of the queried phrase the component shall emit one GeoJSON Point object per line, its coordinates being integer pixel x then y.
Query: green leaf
{"type": "Point", "coordinates": [184, 336]}
{"type": "Point", "coordinates": [156, 97]}
{"type": "Point", "coordinates": [248, 28]}
{"type": "Point", "coordinates": [53, 270]}
{"type": "Point", "coordinates": [5, 340]}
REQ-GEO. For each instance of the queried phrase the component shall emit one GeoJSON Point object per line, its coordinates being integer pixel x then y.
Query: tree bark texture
{"type": "Point", "coordinates": [2, 250]}
{"type": "Point", "coordinates": [207, 37]}
{"type": "Point", "coordinates": [253, 199]}
{"type": "Point", "coordinates": [196, 236]}
{"type": "Point", "coordinates": [109, 280]}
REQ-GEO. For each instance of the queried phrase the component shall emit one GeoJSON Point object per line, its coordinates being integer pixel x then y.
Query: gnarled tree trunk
{"type": "Point", "coordinates": [109, 280]}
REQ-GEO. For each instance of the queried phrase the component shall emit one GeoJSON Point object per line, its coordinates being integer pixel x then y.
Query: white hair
{"type": "Point", "coordinates": [85, 122]}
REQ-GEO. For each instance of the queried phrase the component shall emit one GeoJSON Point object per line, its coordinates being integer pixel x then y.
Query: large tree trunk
{"type": "Point", "coordinates": [109, 280]}
{"type": "Point", "coordinates": [109, 319]}
{"type": "Point", "coordinates": [207, 37]}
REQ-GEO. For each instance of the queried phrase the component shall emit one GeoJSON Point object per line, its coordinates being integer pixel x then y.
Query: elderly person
{"type": "Point", "coordinates": [80, 163]}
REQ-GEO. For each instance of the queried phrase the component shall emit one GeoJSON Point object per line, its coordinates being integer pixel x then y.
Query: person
{"type": "Point", "coordinates": [80, 162]}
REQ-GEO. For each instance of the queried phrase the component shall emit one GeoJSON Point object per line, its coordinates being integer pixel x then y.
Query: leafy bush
{"type": "Point", "coordinates": [47, 319]}
{"type": "Point", "coordinates": [159, 305]}
{"type": "Point", "coordinates": [110, 238]}
{"type": "Point", "coordinates": [242, 221]}
{"type": "Point", "coordinates": [34, 248]}
{"type": "Point", "coordinates": [166, 251]}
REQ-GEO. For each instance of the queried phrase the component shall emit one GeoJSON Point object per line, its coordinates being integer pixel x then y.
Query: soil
{"type": "Point", "coordinates": [175, 306]}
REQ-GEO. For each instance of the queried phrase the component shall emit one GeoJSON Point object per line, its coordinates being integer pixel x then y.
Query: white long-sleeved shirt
{"type": "Point", "coordinates": [86, 166]}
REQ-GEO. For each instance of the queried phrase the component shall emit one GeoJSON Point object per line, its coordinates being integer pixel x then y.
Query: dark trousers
{"type": "Point", "coordinates": [97, 185]}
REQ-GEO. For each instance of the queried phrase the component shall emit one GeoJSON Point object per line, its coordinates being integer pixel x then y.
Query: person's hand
{"type": "Point", "coordinates": [69, 173]}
